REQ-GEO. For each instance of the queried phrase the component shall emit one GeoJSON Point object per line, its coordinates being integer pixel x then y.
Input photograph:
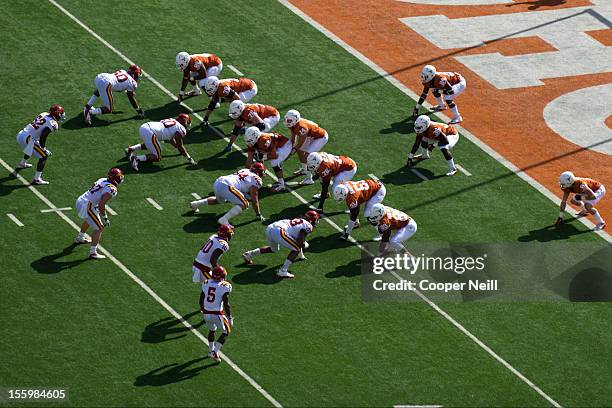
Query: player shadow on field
{"type": "Point", "coordinates": [49, 264]}
{"type": "Point", "coordinates": [172, 373]}
{"type": "Point", "coordinates": [220, 161]}
{"type": "Point", "coordinates": [77, 122]}
{"type": "Point", "coordinates": [148, 168]}
{"type": "Point", "coordinates": [203, 222]}
{"type": "Point", "coordinates": [403, 176]}
{"type": "Point", "coordinates": [6, 189]}
{"type": "Point", "coordinates": [536, 4]}
{"type": "Point", "coordinates": [553, 233]}
{"type": "Point", "coordinates": [349, 270]}
{"type": "Point", "coordinates": [324, 243]}
{"type": "Point", "coordinates": [256, 274]}
{"type": "Point", "coordinates": [403, 127]}
{"type": "Point", "coordinates": [288, 213]}
{"type": "Point", "coordinates": [163, 329]}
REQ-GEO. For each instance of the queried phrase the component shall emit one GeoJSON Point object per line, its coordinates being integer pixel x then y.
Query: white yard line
{"type": "Point", "coordinates": [196, 196]}
{"type": "Point", "coordinates": [463, 170]}
{"type": "Point", "coordinates": [233, 68]}
{"type": "Point", "coordinates": [154, 204]}
{"type": "Point", "coordinates": [56, 209]}
{"type": "Point", "coordinates": [475, 140]}
{"type": "Point", "coordinates": [110, 210]}
{"type": "Point", "coordinates": [15, 219]}
{"type": "Point", "coordinates": [419, 174]}
{"type": "Point", "coordinates": [483, 146]}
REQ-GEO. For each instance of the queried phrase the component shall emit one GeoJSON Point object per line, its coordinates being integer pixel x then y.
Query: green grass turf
{"type": "Point", "coordinates": [310, 341]}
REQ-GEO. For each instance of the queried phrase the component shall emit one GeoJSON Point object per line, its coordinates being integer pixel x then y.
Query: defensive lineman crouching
{"type": "Point", "coordinates": [268, 146]}
{"type": "Point", "coordinates": [428, 133]}
{"type": "Point", "coordinates": [355, 193]}
{"type": "Point", "coordinates": [290, 234]}
{"type": "Point", "coordinates": [394, 226]}
{"type": "Point", "coordinates": [587, 192]}
{"type": "Point", "coordinates": [216, 310]}
{"type": "Point", "coordinates": [236, 188]}
{"type": "Point", "coordinates": [208, 256]}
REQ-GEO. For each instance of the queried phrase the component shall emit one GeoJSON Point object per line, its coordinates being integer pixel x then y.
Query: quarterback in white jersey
{"type": "Point", "coordinates": [91, 206]}
{"type": "Point", "coordinates": [290, 234]}
{"type": "Point", "coordinates": [237, 189]}
{"type": "Point", "coordinates": [208, 256]}
{"type": "Point", "coordinates": [151, 133]}
{"type": "Point", "coordinates": [33, 139]}
{"type": "Point", "coordinates": [216, 310]}
{"type": "Point", "coordinates": [119, 81]}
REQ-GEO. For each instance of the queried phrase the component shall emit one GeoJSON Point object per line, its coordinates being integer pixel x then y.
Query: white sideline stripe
{"type": "Point", "coordinates": [233, 68]}
{"type": "Point", "coordinates": [55, 209]}
{"type": "Point", "coordinates": [15, 219]}
{"type": "Point", "coordinates": [110, 210]}
{"type": "Point", "coordinates": [471, 137]}
{"type": "Point", "coordinates": [233, 365]}
{"type": "Point", "coordinates": [196, 196]}
{"type": "Point", "coordinates": [463, 170]}
{"type": "Point", "coordinates": [483, 146]}
{"type": "Point", "coordinates": [154, 204]}
{"type": "Point", "coordinates": [373, 177]}
{"type": "Point", "coordinates": [419, 174]}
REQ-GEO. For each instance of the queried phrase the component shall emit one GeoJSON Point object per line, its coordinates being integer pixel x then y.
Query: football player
{"type": "Point", "coordinates": [236, 189]}
{"type": "Point", "coordinates": [328, 167]}
{"type": "Point", "coordinates": [227, 90]}
{"type": "Point", "coordinates": [196, 67]}
{"type": "Point", "coordinates": [355, 193]}
{"type": "Point", "coordinates": [264, 117]}
{"type": "Point", "coordinates": [268, 146]}
{"type": "Point", "coordinates": [208, 256]}
{"type": "Point", "coordinates": [33, 140]}
{"type": "Point", "coordinates": [216, 309]}
{"type": "Point", "coordinates": [428, 133]}
{"type": "Point", "coordinates": [587, 192]}
{"type": "Point", "coordinates": [394, 226]}
{"type": "Point", "coordinates": [449, 84]}
{"type": "Point", "coordinates": [91, 207]}
{"type": "Point", "coordinates": [306, 137]}
{"type": "Point", "coordinates": [172, 131]}
{"type": "Point", "coordinates": [290, 234]}
{"type": "Point", "coordinates": [120, 81]}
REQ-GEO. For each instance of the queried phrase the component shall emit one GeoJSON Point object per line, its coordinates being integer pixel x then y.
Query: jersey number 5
{"type": "Point", "coordinates": [210, 298]}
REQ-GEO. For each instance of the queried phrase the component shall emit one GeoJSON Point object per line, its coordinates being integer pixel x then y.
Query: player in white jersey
{"type": "Point", "coordinates": [33, 139]}
{"type": "Point", "coordinates": [208, 256]}
{"type": "Point", "coordinates": [290, 234]}
{"type": "Point", "coordinates": [216, 309]}
{"type": "Point", "coordinates": [91, 206]}
{"type": "Point", "coordinates": [172, 131]}
{"type": "Point", "coordinates": [120, 81]}
{"type": "Point", "coordinates": [237, 189]}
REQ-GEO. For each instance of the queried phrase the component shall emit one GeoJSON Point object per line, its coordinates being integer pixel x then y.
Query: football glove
{"type": "Point", "coordinates": [106, 221]}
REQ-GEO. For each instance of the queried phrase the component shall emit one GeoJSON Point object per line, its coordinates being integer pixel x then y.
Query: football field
{"type": "Point", "coordinates": [127, 331]}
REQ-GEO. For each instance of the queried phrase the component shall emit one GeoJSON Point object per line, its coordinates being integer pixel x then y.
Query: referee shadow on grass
{"type": "Point", "coordinates": [173, 373]}
{"type": "Point", "coordinates": [50, 264]}
{"type": "Point", "coordinates": [553, 233]}
{"type": "Point", "coordinates": [168, 328]}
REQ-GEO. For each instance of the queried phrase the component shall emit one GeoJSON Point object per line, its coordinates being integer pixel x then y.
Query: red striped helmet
{"type": "Point", "coordinates": [219, 273]}
{"type": "Point", "coordinates": [115, 176]}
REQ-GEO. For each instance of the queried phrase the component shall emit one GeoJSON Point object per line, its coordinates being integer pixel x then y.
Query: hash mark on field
{"type": "Point", "coordinates": [196, 196]}
{"type": "Point", "coordinates": [463, 170]}
{"type": "Point", "coordinates": [173, 312]}
{"type": "Point", "coordinates": [55, 209]}
{"type": "Point", "coordinates": [110, 210]}
{"type": "Point", "coordinates": [233, 68]}
{"type": "Point", "coordinates": [373, 177]}
{"type": "Point", "coordinates": [15, 219]}
{"type": "Point", "coordinates": [419, 174]}
{"type": "Point", "coordinates": [154, 204]}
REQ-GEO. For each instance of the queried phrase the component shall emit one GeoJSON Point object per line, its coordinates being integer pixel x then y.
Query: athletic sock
{"type": "Point", "coordinates": [37, 175]}
{"type": "Point", "coordinates": [597, 216]}
{"type": "Point", "coordinates": [286, 265]}
{"type": "Point", "coordinates": [219, 345]}
{"type": "Point", "coordinates": [92, 100]}
{"type": "Point", "coordinates": [95, 111]}
{"type": "Point", "coordinates": [136, 147]}
{"type": "Point", "coordinates": [255, 252]}
{"type": "Point", "coordinates": [142, 157]}
{"type": "Point", "coordinates": [93, 249]}
{"type": "Point", "coordinates": [281, 181]}
{"type": "Point", "coordinates": [211, 345]}
{"type": "Point", "coordinates": [81, 234]}
{"type": "Point", "coordinates": [455, 111]}
{"type": "Point", "coordinates": [451, 164]}
{"type": "Point", "coordinates": [234, 211]}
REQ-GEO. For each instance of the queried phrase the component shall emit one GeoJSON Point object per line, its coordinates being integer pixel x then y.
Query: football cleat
{"type": "Point", "coordinates": [452, 172]}
{"type": "Point", "coordinates": [307, 181]}
{"type": "Point", "coordinates": [214, 355]}
{"type": "Point", "coordinates": [437, 108]}
{"type": "Point", "coordinates": [82, 240]}
{"type": "Point", "coordinates": [39, 182]}
{"type": "Point", "coordinates": [284, 274]}
{"type": "Point", "coordinates": [128, 152]}
{"type": "Point", "coordinates": [194, 207]}
{"type": "Point", "coordinates": [248, 258]}
{"type": "Point", "coordinates": [134, 162]}
{"type": "Point", "coordinates": [195, 91]}
{"type": "Point", "coordinates": [317, 196]}
{"type": "Point", "coordinates": [300, 172]}
{"type": "Point", "coordinates": [276, 187]}
{"type": "Point", "coordinates": [456, 120]}
{"type": "Point", "coordinates": [600, 226]}
{"type": "Point", "coordinates": [87, 115]}
{"type": "Point", "coordinates": [23, 166]}
{"type": "Point", "coordinates": [96, 255]}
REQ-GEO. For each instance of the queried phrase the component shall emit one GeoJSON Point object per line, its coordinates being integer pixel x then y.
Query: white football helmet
{"type": "Point", "coordinates": [251, 135]}
{"type": "Point", "coordinates": [428, 73]}
{"type": "Point", "coordinates": [291, 118]}
{"type": "Point", "coordinates": [313, 161]}
{"type": "Point", "coordinates": [182, 60]}
{"type": "Point", "coordinates": [566, 179]}
{"type": "Point", "coordinates": [211, 84]}
{"type": "Point", "coordinates": [421, 124]}
{"type": "Point", "coordinates": [340, 192]}
{"type": "Point", "coordinates": [236, 108]}
{"type": "Point", "coordinates": [376, 213]}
